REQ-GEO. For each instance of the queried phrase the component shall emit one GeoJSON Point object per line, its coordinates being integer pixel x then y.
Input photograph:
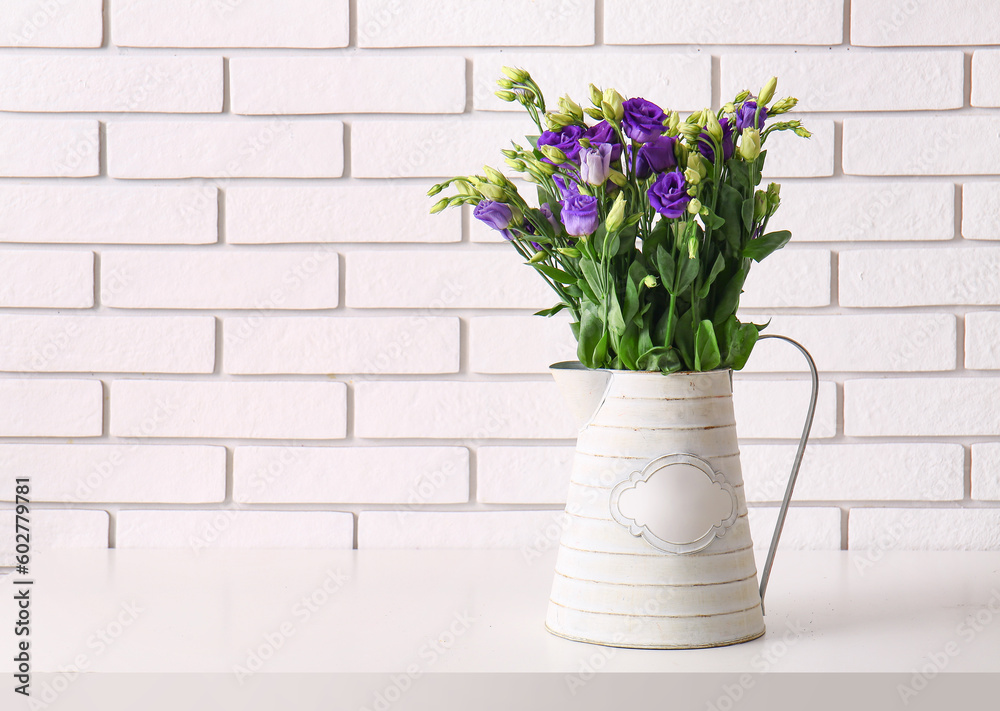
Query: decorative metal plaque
{"type": "Point", "coordinates": [678, 503]}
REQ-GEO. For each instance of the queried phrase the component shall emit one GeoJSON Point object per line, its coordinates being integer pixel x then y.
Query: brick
{"type": "Point", "coordinates": [433, 23]}
{"type": "Point", "coordinates": [519, 344]}
{"type": "Point", "coordinates": [789, 278]}
{"type": "Point", "coordinates": [384, 212]}
{"type": "Point", "coordinates": [982, 340]}
{"type": "Point", "coordinates": [220, 279]}
{"type": "Point", "coordinates": [773, 409]}
{"type": "Point", "coordinates": [952, 145]}
{"type": "Point", "coordinates": [986, 77]}
{"type": "Point", "coordinates": [109, 83]}
{"type": "Point", "coordinates": [523, 475]}
{"type": "Point", "coordinates": [891, 23]}
{"type": "Point", "coordinates": [986, 471]}
{"type": "Point", "coordinates": [435, 149]}
{"type": "Point", "coordinates": [681, 81]}
{"type": "Point", "coordinates": [723, 22]}
{"type": "Point", "coordinates": [791, 156]}
{"type": "Point", "coordinates": [51, 408]}
{"type": "Point", "coordinates": [273, 148]}
{"type": "Point", "coordinates": [120, 473]}
{"type": "Point", "coordinates": [496, 279]}
{"type": "Point", "coordinates": [61, 148]}
{"type": "Point", "coordinates": [261, 410]}
{"type": "Point", "coordinates": [64, 23]}
{"type": "Point", "coordinates": [853, 81]}
{"type": "Point", "coordinates": [921, 407]}
{"type": "Point", "coordinates": [55, 529]}
{"type": "Point", "coordinates": [814, 211]}
{"type": "Point", "coordinates": [47, 279]}
{"type": "Point", "coordinates": [981, 210]}
{"type": "Point", "coordinates": [455, 529]}
{"type": "Point", "coordinates": [830, 472]}
{"type": "Point", "coordinates": [231, 528]}
{"type": "Point", "coordinates": [924, 529]}
{"type": "Point", "coordinates": [303, 344]}
{"type": "Point", "coordinates": [102, 214]}
{"type": "Point", "coordinates": [344, 85]}
{"type": "Point", "coordinates": [412, 476]}
{"type": "Point", "coordinates": [230, 23]}
{"type": "Point", "coordinates": [919, 277]}
{"type": "Point", "coordinates": [130, 344]}
{"type": "Point", "coordinates": [806, 528]}
{"type": "Point", "coordinates": [476, 410]}
{"type": "Point", "coordinates": [898, 343]}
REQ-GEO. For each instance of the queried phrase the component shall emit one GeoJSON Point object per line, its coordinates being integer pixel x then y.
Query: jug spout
{"type": "Point", "coordinates": [583, 388]}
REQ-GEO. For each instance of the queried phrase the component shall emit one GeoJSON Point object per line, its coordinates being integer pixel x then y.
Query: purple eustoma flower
{"type": "Point", "coordinates": [566, 140]}
{"type": "Point", "coordinates": [745, 114]}
{"type": "Point", "coordinates": [656, 156]}
{"type": "Point", "coordinates": [579, 214]}
{"type": "Point", "coordinates": [495, 214]}
{"type": "Point", "coordinates": [668, 196]}
{"type": "Point", "coordinates": [603, 133]}
{"type": "Point", "coordinates": [595, 164]}
{"type": "Point", "coordinates": [705, 145]}
{"type": "Point", "coordinates": [547, 211]}
{"type": "Point", "coordinates": [643, 120]}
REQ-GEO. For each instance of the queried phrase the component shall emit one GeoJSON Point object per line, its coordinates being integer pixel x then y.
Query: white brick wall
{"type": "Point", "coordinates": [222, 294]}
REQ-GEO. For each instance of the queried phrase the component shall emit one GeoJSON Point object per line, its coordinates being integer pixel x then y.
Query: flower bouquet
{"type": "Point", "coordinates": [646, 223]}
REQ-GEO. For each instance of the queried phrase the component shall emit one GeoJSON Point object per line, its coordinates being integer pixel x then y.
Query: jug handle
{"type": "Point", "coordinates": [766, 573]}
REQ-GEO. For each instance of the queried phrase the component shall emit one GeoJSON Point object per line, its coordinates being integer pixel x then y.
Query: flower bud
{"type": "Point", "coordinates": [518, 75]}
{"type": "Point", "coordinates": [492, 192]}
{"type": "Point", "coordinates": [767, 91]}
{"type": "Point", "coordinates": [742, 96]}
{"type": "Point", "coordinates": [729, 108]}
{"type": "Point", "coordinates": [553, 154]}
{"type": "Point", "coordinates": [439, 206]}
{"type": "Point", "coordinates": [616, 217]}
{"type": "Point", "coordinates": [773, 197]}
{"type": "Point", "coordinates": [596, 96]}
{"type": "Point", "coordinates": [546, 169]}
{"type": "Point", "coordinates": [801, 131]}
{"type": "Point", "coordinates": [571, 252]}
{"type": "Point", "coordinates": [505, 95]}
{"type": "Point", "coordinates": [457, 200]}
{"type": "Point", "coordinates": [495, 176]}
{"type": "Point", "coordinates": [673, 120]}
{"type": "Point", "coordinates": [692, 176]}
{"type": "Point", "coordinates": [690, 131]}
{"type": "Point", "coordinates": [571, 108]}
{"type": "Point", "coordinates": [538, 256]}
{"type": "Point", "coordinates": [713, 126]}
{"type": "Point", "coordinates": [693, 241]}
{"type": "Point", "coordinates": [435, 189]}
{"type": "Point", "coordinates": [618, 178]}
{"type": "Point", "coordinates": [759, 205]}
{"type": "Point", "coordinates": [782, 106]}
{"type": "Point", "coordinates": [595, 114]}
{"type": "Point", "coordinates": [557, 121]}
{"type": "Point", "coordinates": [750, 144]}
{"type": "Point", "coordinates": [505, 83]}
{"type": "Point", "coordinates": [650, 281]}
{"type": "Point", "coordinates": [697, 162]}
{"type": "Point", "coordinates": [516, 164]}
{"type": "Point", "coordinates": [612, 107]}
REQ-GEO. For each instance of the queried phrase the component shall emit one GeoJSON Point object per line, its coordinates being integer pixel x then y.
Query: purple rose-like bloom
{"type": "Point", "coordinates": [567, 188]}
{"type": "Point", "coordinates": [667, 195]}
{"type": "Point", "coordinates": [656, 156]}
{"type": "Point", "coordinates": [579, 214]}
{"type": "Point", "coordinates": [595, 164]}
{"type": "Point", "coordinates": [495, 214]}
{"type": "Point", "coordinates": [603, 133]}
{"type": "Point", "coordinates": [643, 120]}
{"type": "Point", "coordinates": [547, 211]}
{"type": "Point", "coordinates": [705, 142]}
{"type": "Point", "coordinates": [744, 116]}
{"type": "Point", "coordinates": [566, 140]}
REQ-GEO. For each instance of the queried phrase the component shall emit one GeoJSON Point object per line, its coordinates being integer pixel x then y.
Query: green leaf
{"type": "Point", "coordinates": [740, 172]}
{"type": "Point", "coordinates": [628, 349]}
{"type": "Point", "coordinates": [593, 277]}
{"type": "Point", "coordinates": [586, 291]}
{"type": "Point", "coordinates": [616, 322]}
{"type": "Point", "coordinates": [717, 267]}
{"type": "Point", "coordinates": [591, 330]}
{"type": "Point", "coordinates": [601, 351]}
{"type": "Point", "coordinates": [687, 272]}
{"type": "Point", "coordinates": [684, 338]}
{"type": "Point", "coordinates": [729, 205]}
{"type": "Point", "coordinates": [575, 328]}
{"type": "Point", "coordinates": [706, 347]}
{"type": "Point", "coordinates": [661, 358]}
{"type": "Point", "coordinates": [747, 214]}
{"type": "Point", "coordinates": [713, 221]}
{"type": "Point", "coordinates": [654, 239]}
{"type": "Point", "coordinates": [665, 265]}
{"type": "Point", "coordinates": [759, 248]}
{"type": "Point", "coordinates": [555, 274]}
{"type": "Point", "coordinates": [551, 312]}
{"type": "Point", "coordinates": [737, 341]}
{"type": "Point", "coordinates": [729, 299]}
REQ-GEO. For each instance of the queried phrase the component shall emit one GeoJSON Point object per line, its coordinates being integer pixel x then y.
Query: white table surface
{"type": "Point", "coordinates": [448, 612]}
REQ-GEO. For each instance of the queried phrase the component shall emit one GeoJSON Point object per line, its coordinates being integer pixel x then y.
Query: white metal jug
{"type": "Point", "coordinates": [657, 551]}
